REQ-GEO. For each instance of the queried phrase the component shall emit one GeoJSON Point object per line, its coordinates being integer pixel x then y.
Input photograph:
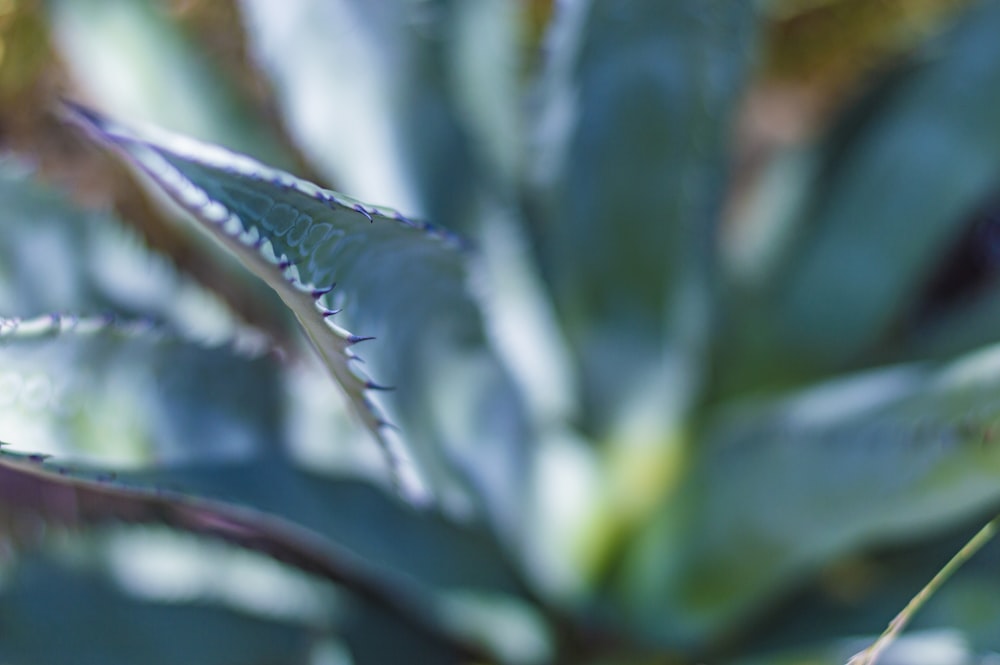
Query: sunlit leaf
{"type": "Point", "coordinates": [34, 494]}
{"type": "Point", "coordinates": [400, 281]}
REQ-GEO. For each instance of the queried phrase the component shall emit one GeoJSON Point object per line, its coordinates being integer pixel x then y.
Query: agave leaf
{"type": "Point", "coordinates": [422, 105]}
{"type": "Point", "coordinates": [631, 171]}
{"type": "Point", "coordinates": [392, 278]}
{"type": "Point", "coordinates": [125, 393]}
{"type": "Point", "coordinates": [894, 188]}
{"type": "Point", "coordinates": [215, 419]}
{"type": "Point", "coordinates": [141, 58]}
{"type": "Point", "coordinates": [776, 490]}
{"type": "Point", "coordinates": [35, 493]}
{"type": "Point", "coordinates": [56, 615]}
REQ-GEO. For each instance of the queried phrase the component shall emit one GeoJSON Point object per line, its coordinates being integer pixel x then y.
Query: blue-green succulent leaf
{"type": "Point", "coordinates": [35, 493]}
{"type": "Point", "coordinates": [631, 173]}
{"type": "Point", "coordinates": [350, 272]}
{"type": "Point", "coordinates": [778, 489]}
{"type": "Point", "coordinates": [208, 422]}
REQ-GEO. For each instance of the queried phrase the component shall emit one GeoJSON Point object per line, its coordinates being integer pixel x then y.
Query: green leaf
{"type": "Point", "coordinates": [893, 189]}
{"type": "Point", "coordinates": [394, 279]}
{"type": "Point", "coordinates": [631, 172]}
{"type": "Point", "coordinates": [776, 490]}
{"type": "Point", "coordinates": [34, 493]}
{"type": "Point", "coordinates": [53, 614]}
{"type": "Point", "coordinates": [123, 393]}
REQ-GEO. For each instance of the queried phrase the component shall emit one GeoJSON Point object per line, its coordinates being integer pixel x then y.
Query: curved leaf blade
{"type": "Point", "coordinates": [332, 258]}
{"type": "Point", "coordinates": [34, 492]}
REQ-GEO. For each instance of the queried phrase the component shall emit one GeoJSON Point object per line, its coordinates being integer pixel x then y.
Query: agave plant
{"type": "Point", "coordinates": [597, 412]}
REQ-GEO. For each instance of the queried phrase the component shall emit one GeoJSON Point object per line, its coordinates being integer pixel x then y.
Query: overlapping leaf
{"type": "Point", "coordinates": [227, 449]}
{"type": "Point", "coordinates": [151, 421]}
{"type": "Point", "coordinates": [34, 493]}
{"type": "Point", "coordinates": [439, 553]}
